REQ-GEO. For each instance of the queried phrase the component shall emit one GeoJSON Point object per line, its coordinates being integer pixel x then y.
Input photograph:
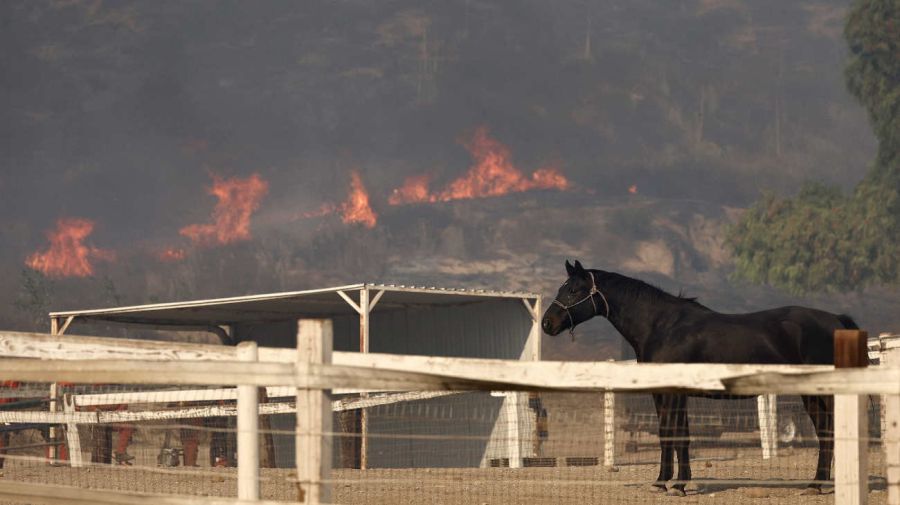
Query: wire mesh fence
{"type": "Point", "coordinates": [444, 437]}
{"type": "Point", "coordinates": [426, 447]}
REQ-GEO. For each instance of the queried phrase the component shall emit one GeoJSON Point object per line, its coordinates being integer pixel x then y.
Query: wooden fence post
{"type": "Point", "coordinates": [609, 430]}
{"type": "Point", "coordinates": [851, 426]}
{"type": "Point", "coordinates": [890, 435]}
{"type": "Point", "coordinates": [767, 410]}
{"type": "Point", "coordinates": [248, 429]}
{"type": "Point", "coordinates": [314, 346]}
{"type": "Point", "coordinates": [73, 440]}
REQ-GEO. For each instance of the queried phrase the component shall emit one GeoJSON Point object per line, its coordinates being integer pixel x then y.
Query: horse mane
{"type": "Point", "coordinates": [640, 289]}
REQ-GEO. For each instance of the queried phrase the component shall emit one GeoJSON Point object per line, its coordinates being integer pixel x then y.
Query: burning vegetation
{"type": "Point", "coordinates": [356, 209]}
{"type": "Point", "coordinates": [492, 174]}
{"type": "Point", "coordinates": [171, 254]}
{"type": "Point", "coordinates": [68, 255]}
{"type": "Point", "coordinates": [238, 200]}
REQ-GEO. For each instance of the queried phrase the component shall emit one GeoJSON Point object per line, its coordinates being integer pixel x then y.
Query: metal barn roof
{"type": "Point", "coordinates": [279, 306]}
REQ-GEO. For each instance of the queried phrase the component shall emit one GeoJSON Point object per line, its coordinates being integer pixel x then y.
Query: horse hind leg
{"type": "Point", "coordinates": [682, 442]}
{"type": "Point", "coordinates": [821, 412]}
{"type": "Point", "coordinates": [665, 413]}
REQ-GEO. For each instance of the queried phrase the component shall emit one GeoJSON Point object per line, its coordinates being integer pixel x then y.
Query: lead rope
{"type": "Point", "coordinates": [590, 296]}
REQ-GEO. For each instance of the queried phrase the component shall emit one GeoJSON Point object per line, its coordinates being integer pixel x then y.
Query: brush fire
{"type": "Point", "coordinates": [238, 200]}
{"type": "Point", "coordinates": [492, 174]}
{"type": "Point", "coordinates": [68, 255]}
{"type": "Point", "coordinates": [356, 209]}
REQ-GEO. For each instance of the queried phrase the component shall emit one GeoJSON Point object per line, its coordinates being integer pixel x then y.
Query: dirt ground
{"type": "Point", "coordinates": [733, 481]}
{"type": "Point", "coordinates": [727, 469]}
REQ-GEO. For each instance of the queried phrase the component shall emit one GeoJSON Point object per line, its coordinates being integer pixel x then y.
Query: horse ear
{"type": "Point", "coordinates": [578, 267]}
{"type": "Point", "coordinates": [570, 269]}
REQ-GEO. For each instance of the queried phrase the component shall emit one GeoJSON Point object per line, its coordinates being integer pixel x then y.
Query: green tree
{"type": "Point", "coordinates": [821, 239]}
{"type": "Point", "coordinates": [34, 299]}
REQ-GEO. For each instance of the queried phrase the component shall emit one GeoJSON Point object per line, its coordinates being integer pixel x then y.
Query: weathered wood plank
{"type": "Point", "coordinates": [43, 346]}
{"type": "Point", "coordinates": [401, 373]}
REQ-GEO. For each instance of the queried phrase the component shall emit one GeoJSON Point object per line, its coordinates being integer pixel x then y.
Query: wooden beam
{"type": "Point", "coordinates": [387, 372]}
{"type": "Point", "coordinates": [313, 445]}
{"type": "Point", "coordinates": [114, 361]}
{"type": "Point", "coordinates": [43, 346]}
{"type": "Point", "coordinates": [530, 309]}
{"type": "Point", "coordinates": [375, 299]}
{"type": "Point", "coordinates": [65, 325]}
{"type": "Point", "coordinates": [350, 302]}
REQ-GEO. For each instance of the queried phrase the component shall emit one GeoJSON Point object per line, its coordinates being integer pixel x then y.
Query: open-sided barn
{"type": "Point", "coordinates": [483, 428]}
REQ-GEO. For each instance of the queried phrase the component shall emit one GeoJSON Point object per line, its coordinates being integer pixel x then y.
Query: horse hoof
{"type": "Point", "coordinates": [676, 492]}
{"type": "Point", "coordinates": [658, 488]}
{"type": "Point", "coordinates": [811, 491]}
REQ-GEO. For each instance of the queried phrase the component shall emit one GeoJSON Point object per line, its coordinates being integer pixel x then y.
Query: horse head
{"type": "Point", "coordinates": [577, 301]}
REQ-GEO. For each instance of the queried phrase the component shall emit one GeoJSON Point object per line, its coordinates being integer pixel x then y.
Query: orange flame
{"type": "Point", "coordinates": [238, 200]}
{"type": "Point", "coordinates": [355, 209]}
{"type": "Point", "coordinates": [414, 190]}
{"type": "Point", "coordinates": [172, 254]}
{"type": "Point", "coordinates": [493, 174]}
{"type": "Point", "coordinates": [68, 256]}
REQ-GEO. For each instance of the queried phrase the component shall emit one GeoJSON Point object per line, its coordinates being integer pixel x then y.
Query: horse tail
{"type": "Point", "coordinates": [848, 322]}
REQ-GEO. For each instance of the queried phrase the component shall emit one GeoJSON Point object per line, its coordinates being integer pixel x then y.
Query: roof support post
{"type": "Point", "coordinates": [532, 348]}
{"type": "Point", "coordinates": [364, 347]}
{"type": "Point", "coordinates": [53, 431]}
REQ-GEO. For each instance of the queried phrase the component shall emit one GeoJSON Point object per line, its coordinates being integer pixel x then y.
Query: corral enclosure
{"type": "Point", "coordinates": [380, 319]}
{"type": "Point", "coordinates": [418, 447]}
{"type": "Point", "coordinates": [729, 465]}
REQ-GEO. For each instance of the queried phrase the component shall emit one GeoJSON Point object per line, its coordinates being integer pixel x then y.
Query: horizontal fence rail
{"type": "Point", "coordinates": [384, 372]}
{"type": "Point", "coordinates": [43, 358]}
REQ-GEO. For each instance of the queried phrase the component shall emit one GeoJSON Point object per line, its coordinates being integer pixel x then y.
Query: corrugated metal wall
{"type": "Point", "coordinates": [442, 432]}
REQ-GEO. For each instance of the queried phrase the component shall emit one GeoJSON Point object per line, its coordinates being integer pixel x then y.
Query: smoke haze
{"type": "Point", "coordinates": [220, 148]}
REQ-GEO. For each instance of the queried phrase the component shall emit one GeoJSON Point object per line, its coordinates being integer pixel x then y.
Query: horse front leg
{"type": "Point", "coordinates": [681, 442]}
{"type": "Point", "coordinates": [821, 412]}
{"type": "Point", "coordinates": [664, 412]}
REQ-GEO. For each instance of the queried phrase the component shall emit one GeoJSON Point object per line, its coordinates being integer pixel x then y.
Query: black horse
{"type": "Point", "coordinates": [663, 328]}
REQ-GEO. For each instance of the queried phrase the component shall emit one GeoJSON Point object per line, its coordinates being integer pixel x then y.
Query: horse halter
{"type": "Point", "coordinates": [590, 296]}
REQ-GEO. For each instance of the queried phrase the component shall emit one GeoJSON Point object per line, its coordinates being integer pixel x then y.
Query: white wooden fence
{"type": "Point", "coordinates": [313, 368]}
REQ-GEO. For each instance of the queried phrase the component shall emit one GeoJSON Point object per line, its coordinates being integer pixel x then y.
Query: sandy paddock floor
{"type": "Point", "coordinates": [741, 480]}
